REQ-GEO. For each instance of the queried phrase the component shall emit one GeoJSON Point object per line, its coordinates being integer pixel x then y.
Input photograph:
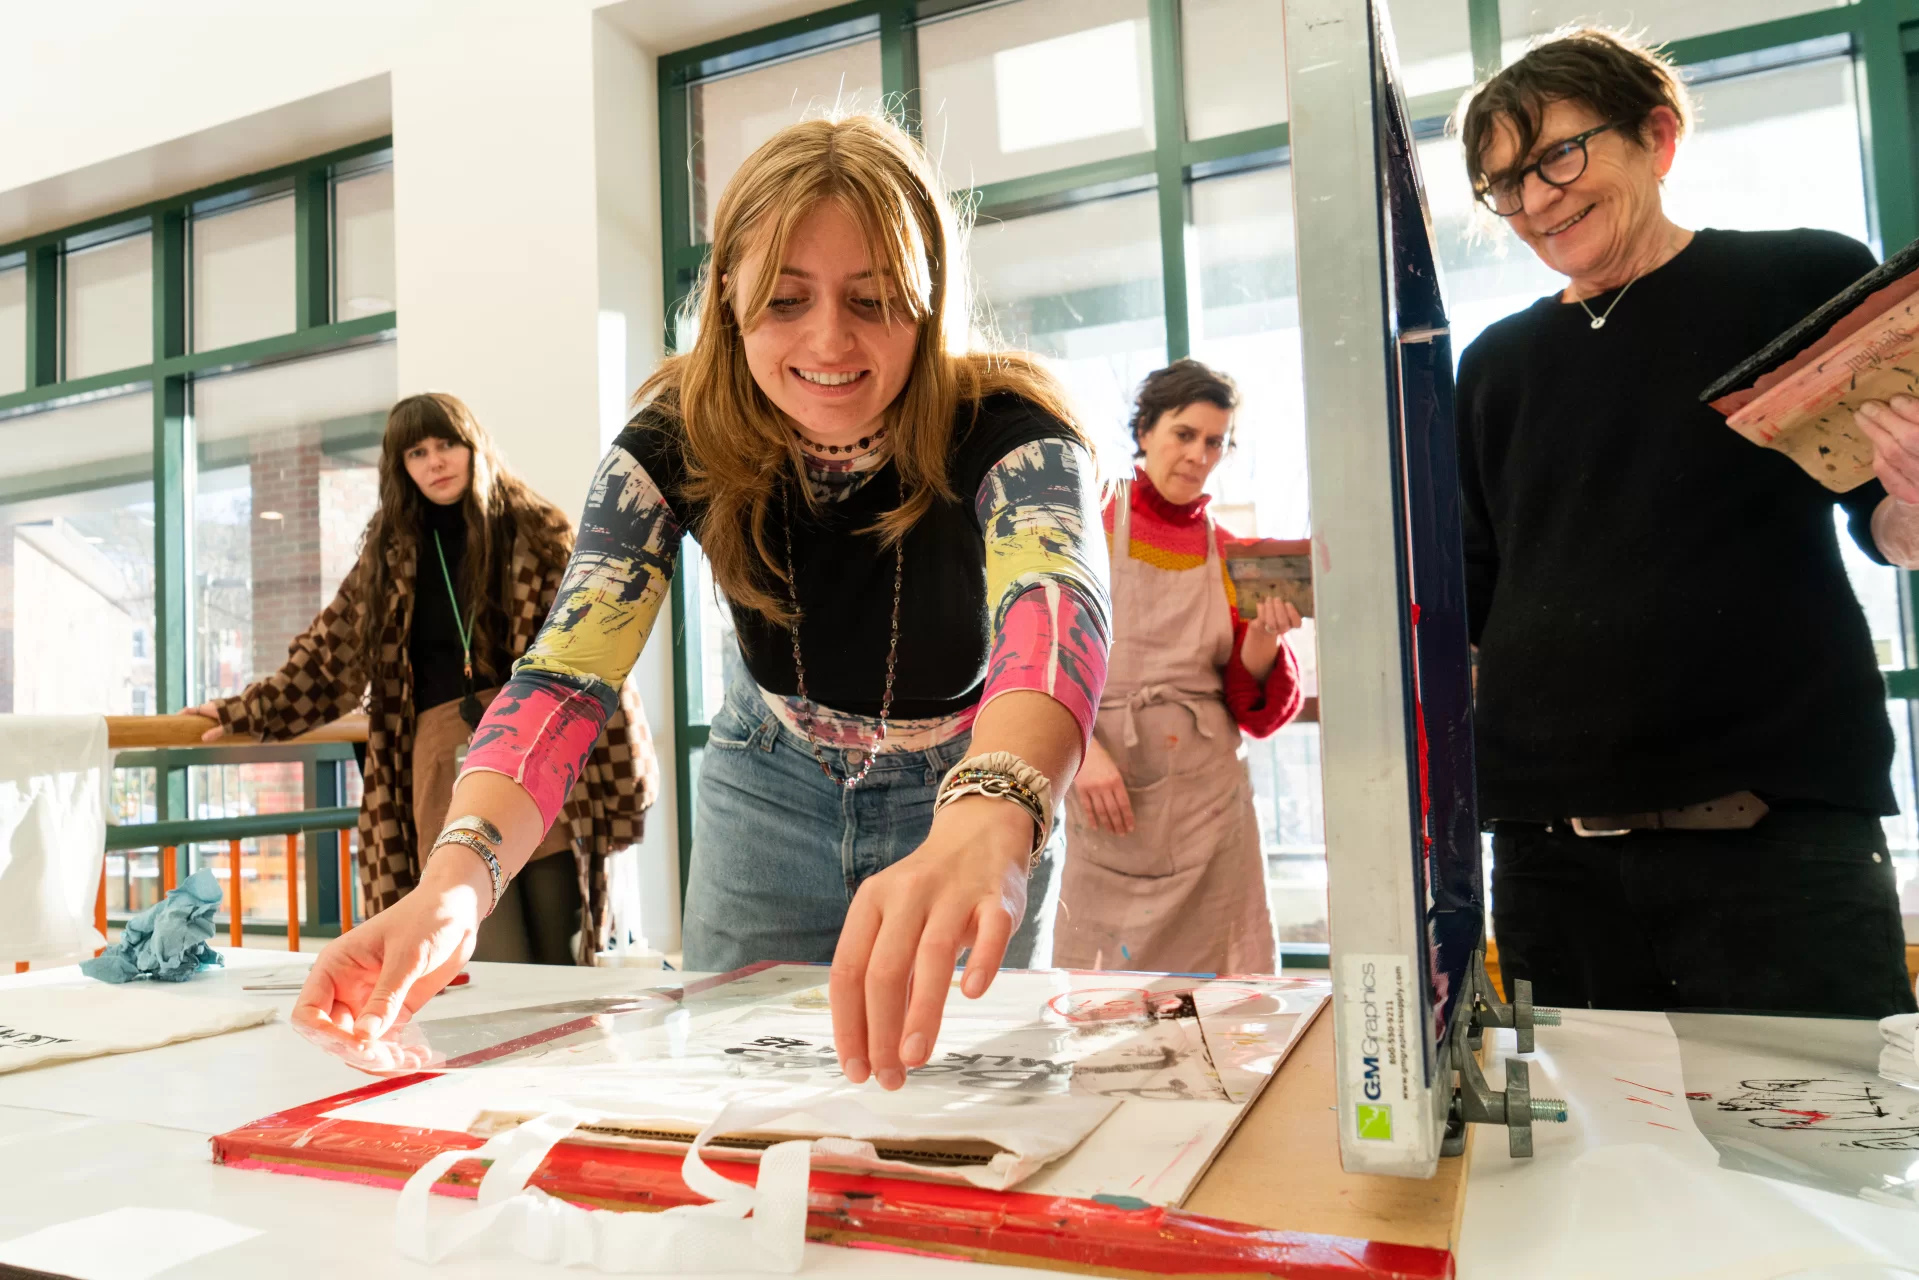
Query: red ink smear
{"type": "Point", "coordinates": [1652, 1088]}
{"type": "Point", "coordinates": [1812, 1117]}
{"type": "Point", "coordinates": [1655, 1124]}
{"type": "Point", "coordinates": [1647, 1102]}
{"type": "Point", "coordinates": [1699, 1097]}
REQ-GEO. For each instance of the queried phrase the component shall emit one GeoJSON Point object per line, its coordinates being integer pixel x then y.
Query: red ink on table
{"type": "Point", "coordinates": [1650, 1088]}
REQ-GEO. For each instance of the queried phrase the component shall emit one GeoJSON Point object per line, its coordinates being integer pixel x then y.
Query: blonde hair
{"type": "Point", "coordinates": [738, 443]}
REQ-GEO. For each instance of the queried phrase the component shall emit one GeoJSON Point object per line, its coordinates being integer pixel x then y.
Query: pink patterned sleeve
{"type": "Point", "coordinates": [1046, 576]}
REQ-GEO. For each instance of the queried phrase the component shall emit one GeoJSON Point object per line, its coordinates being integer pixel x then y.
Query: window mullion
{"type": "Point", "coordinates": [1482, 24]}
{"type": "Point", "coordinates": [900, 64]}
{"type": "Point", "coordinates": [312, 250]}
{"type": "Point", "coordinates": [1169, 141]}
{"type": "Point", "coordinates": [43, 316]}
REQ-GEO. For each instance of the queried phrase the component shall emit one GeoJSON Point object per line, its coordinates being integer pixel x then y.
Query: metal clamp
{"type": "Point", "coordinates": [1474, 1100]}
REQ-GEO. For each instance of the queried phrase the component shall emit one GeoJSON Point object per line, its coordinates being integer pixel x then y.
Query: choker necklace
{"type": "Point", "coordinates": [865, 444]}
{"type": "Point", "coordinates": [1599, 321]}
{"type": "Point", "coordinates": [799, 669]}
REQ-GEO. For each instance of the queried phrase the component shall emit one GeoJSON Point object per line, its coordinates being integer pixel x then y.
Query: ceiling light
{"type": "Point", "coordinates": [271, 515]}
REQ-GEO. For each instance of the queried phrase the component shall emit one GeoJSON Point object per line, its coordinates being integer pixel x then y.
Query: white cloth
{"type": "Point", "coordinates": [52, 1024]}
{"type": "Point", "coordinates": [697, 1239]}
{"type": "Point", "coordinates": [53, 834]}
{"type": "Point", "coordinates": [1899, 1060]}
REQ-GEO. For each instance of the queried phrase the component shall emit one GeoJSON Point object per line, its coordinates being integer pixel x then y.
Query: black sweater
{"type": "Point", "coordinates": [1661, 611]}
{"type": "Point", "coordinates": [433, 645]}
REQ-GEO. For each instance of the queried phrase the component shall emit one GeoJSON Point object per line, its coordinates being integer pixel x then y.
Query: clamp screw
{"type": "Point", "coordinates": [1545, 1017]}
{"type": "Point", "coordinates": [1550, 1110]}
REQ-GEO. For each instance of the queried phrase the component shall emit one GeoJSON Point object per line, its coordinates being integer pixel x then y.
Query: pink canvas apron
{"type": "Point", "coordinates": [1186, 891]}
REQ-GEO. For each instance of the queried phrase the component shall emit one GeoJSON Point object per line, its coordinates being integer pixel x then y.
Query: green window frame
{"type": "Point", "coordinates": [1882, 35]}
{"type": "Point", "coordinates": [167, 376]}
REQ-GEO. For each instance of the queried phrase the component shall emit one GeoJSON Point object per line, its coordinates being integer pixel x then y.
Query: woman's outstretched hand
{"type": "Point", "coordinates": [370, 981]}
{"type": "Point", "coordinates": [965, 887]}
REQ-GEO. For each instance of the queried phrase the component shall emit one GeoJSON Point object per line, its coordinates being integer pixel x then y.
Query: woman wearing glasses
{"type": "Point", "coordinates": [1682, 738]}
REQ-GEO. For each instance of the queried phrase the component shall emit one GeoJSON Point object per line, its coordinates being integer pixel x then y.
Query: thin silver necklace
{"type": "Point", "coordinates": [799, 668]}
{"type": "Point", "coordinates": [1599, 321]}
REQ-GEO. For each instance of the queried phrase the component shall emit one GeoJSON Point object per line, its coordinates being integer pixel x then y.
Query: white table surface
{"type": "Point", "coordinates": [105, 1172]}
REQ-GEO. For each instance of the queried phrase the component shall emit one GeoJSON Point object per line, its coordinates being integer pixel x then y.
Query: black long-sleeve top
{"type": "Point", "coordinates": [1660, 608]}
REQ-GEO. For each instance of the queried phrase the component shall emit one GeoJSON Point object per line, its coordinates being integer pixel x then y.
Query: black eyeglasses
{"type": "Point", "coordinates": [1560, 166]}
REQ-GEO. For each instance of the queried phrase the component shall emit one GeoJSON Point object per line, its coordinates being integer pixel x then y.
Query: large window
{"type": "Point", "coordinates": [191, 396]}
{"type": "Point", "coordinates": [1068, 124]}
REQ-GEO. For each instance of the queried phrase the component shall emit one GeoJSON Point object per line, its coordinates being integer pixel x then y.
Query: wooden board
{"type": "Point", "coordinates": [1281, 1167]}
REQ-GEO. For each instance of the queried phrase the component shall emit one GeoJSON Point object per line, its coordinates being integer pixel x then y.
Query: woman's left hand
{"type": "Point", "coordinates": [1260, 649]}
{"type": "Point", "coordinates": [965, 887]}
{"type": "Point", "coordinates": [1893, 429]}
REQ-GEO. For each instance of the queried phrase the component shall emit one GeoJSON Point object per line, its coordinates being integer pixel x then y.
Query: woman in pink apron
{"type": "Point", "coordinates": [1164, 869]}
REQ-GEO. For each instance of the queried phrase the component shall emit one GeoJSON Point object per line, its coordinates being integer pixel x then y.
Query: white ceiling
{"type": "Point", "coordinates": [667, 26]}
{"type": "Point", "coordinates": [310, 126]}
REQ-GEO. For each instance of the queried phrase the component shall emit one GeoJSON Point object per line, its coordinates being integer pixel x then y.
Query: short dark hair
{"type": "Point", "coordinates": [1623, 80]}
{"type": "Point", "coordinates": [1171, 389]}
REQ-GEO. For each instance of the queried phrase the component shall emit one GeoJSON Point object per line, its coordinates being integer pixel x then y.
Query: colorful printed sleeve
{"type": "Point", "coordinates": [1046, 577]}
{"type": "Point", "coordinates": [541, 728]}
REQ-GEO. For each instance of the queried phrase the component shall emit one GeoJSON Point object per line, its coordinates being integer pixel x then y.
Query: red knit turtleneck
{"type": "Point", "coordinates": [1147, 497]}
{"type": "Point", "coordinates": [1170, 535]}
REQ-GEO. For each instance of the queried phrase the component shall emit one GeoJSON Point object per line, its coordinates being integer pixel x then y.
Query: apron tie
{"type": "Point", "coordinates": [1156, 695]}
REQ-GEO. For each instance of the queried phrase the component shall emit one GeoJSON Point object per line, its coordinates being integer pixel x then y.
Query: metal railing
{"type": "Point", "coordinates": [171, 746]}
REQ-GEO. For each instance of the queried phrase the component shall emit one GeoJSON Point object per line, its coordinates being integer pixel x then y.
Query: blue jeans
{"type": "Point", "coordinates": [779, 851]}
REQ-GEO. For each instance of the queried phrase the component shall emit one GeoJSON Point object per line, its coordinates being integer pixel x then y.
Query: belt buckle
{"type": "Point", "coordinates": [1585, 832]}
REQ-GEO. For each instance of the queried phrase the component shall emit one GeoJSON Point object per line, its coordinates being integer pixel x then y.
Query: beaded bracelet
{"type": "Point", "coordinates": [468, 840]}
{"type": "Point", "coordinates": [1002, 775]}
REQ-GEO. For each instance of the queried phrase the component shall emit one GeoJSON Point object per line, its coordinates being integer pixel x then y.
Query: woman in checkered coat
{"type": "Point", "coordinates": [457, 571]}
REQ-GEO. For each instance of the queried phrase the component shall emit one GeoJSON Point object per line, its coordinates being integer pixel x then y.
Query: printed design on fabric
{"type": "Point", "coordinates": [1046, 574]}
{"type": "Point", "coordinates": [843, 729]}
{"type": "Point", "coordinates": [541, 729]}
{"type": "Point", "coordinates": [835, 479]}
{"type": "Point", "coordinates": [1860, 1114]}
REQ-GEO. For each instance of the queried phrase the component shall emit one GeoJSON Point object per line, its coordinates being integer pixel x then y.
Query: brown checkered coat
{"type": "Point", "coordinates": [326, 676]}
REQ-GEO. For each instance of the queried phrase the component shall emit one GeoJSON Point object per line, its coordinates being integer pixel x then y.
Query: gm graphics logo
{"type": "Point", "coordinates": [1374, 1118]}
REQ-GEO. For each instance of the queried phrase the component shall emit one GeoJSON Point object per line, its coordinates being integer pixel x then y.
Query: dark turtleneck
{"type": "Point", "coordinates": [434, 645]}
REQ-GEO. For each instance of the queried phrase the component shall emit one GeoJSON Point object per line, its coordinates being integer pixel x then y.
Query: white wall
{"type": "Point", "coordinates": [526, 204]}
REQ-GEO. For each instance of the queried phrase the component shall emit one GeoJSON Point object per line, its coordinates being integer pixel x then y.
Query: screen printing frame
{"type": "Point", "coordinates": [1404, 881]}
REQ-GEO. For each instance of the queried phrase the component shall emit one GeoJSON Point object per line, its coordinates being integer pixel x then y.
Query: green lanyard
{"type": "Point", "coordinates": [471, 709]}
{"type": "Point", "coordinates": [466, 645]}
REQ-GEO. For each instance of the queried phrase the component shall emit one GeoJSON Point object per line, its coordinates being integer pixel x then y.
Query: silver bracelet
{"type": "Point", "coordinates": [468, 840]}
{"type": "Point", "coordinates": [477, 825]}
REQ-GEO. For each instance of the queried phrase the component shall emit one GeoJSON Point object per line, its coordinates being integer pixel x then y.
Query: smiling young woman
{"type": "Point", "coordinates": [456, 569]}
{"type": "Point", "coordinates": [906, 531]}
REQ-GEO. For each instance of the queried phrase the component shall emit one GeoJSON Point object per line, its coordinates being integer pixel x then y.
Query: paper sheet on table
{"type": "Point", "coordinates": [1644, 1182]}
{"type": "Point", "coordinates": [52, 1024]}
{"type": "Point", "coordinates": [1056, 1082]}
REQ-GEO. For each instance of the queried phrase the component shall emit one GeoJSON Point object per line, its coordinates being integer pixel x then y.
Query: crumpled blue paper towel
{"type": "Point", "coordinates": [168, 940]}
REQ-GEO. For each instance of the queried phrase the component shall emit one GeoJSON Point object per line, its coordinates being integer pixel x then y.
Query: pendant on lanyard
{"type": "Point", "coordinates": [470, 708]}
